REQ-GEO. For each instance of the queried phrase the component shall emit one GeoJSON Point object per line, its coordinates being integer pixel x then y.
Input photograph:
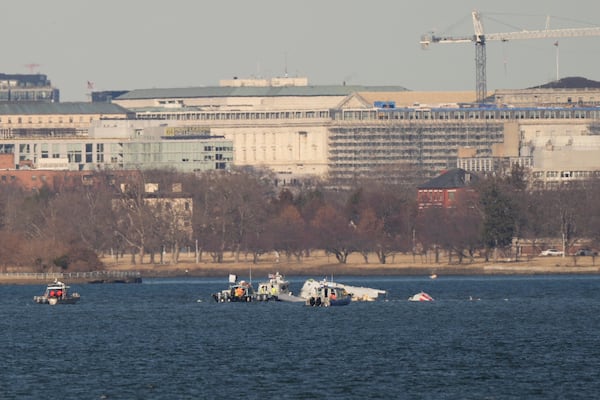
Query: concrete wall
{"type": "Point", "coordinates": [567, 153]}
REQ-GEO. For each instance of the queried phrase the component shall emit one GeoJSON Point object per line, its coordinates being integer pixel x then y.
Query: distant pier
{"type": "Point", "coordinates": [27, 278]}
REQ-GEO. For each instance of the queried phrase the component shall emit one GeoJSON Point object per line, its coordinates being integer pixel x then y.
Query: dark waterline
{"type": "Point", "coordinates": [519, 337]}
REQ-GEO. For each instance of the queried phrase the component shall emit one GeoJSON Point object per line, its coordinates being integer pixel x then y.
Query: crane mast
{"type": "Point", "coordinates": [479, 38]}
{"type": "Point", "coordinates": [480, 58]}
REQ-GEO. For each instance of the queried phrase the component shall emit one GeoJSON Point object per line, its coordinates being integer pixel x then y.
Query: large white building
{"type": "Point", "coordinates": [287, 127]}
{"type": "Point", "coordinates": [92, 136]}
{"type": "Point", "coordinates": [302, 131]}
{"type": "Point", "coordinates": [343, 132]}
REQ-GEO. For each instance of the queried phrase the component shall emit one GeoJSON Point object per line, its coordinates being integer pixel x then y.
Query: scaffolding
{"type": "Point", "coordinates": [429, 146]}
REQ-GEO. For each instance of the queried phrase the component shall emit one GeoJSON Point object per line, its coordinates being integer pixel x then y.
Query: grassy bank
{"type": "Point", "coordinates": [321, 265]}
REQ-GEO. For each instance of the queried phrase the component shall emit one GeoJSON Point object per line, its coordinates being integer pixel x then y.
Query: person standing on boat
{"type": "Point", "coordinates": [239, 292]}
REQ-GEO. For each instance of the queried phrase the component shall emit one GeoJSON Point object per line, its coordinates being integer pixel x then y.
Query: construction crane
{"type": "Point", "coordinates": [480, 38]}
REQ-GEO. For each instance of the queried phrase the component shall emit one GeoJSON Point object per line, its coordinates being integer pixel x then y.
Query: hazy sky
{"type": "Point", "coordinates": [135, 44]}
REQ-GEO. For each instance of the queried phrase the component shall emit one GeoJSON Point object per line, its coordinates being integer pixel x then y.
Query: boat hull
{"type": "Point", "coordinates": [344, 301]}
{"type": "Point", "coordinates": [226, 297]}
{"type": "Point", "coordinates": [54, 301]}
{"type": "Point", "coordinates": [320, 301]}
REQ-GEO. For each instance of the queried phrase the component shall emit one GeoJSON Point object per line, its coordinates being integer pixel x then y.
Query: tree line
{"type": "Point", "coordinates": [244, 212]}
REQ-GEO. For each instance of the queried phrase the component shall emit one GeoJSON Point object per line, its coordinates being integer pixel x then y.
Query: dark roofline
{"type": "Point", "coordinates": [252, 91]}
{"type": "Point", "coordinates": [45, 108]}
{"type": "Point", "coordinates": [572, 82]}
{"type": "Point", "coordinates": [30, 78]}
{"type": "Point", "coordinates": [452, 179]}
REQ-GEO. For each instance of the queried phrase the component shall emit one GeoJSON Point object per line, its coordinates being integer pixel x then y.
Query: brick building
{"type": "Point", "coordinates": [445, 190]}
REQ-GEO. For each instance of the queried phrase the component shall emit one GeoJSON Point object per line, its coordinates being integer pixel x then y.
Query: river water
{"type": "Point", "coordinates": [508, 337]}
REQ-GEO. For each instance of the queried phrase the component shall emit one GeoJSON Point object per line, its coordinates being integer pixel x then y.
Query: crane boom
{"type": "Point", "coordinates": [428, 39]}
{"type": "Point", "coordinates": [543, 34]}
{"type": "Point", "coordinates": [480, 38]}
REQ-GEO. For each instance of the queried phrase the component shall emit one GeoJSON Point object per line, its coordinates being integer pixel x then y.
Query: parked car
{"type": "Point", "coordinates": [551, 252]}
{"type": "Point", "coordinates": [586, 252]}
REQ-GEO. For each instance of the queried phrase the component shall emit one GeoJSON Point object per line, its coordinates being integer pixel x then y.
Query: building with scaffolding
{"type": "Point", "coordinates": [305, 132]}
{"type": "Point", "coordinates": [347, 132]}
{"type": "Point", "coordinates": [484, 140]}
{"type": "Point", "coordinates": [361, 143]}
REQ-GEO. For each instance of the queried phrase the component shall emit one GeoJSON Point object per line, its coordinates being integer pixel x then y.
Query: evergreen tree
{"type": "Point", "coordinates": [499, 215]}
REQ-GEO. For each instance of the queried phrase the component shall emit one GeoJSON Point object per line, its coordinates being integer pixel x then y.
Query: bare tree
{"type": "Point", "coordinates": [134, 217]}
{"type": "Point", "coordinates": [335, 232]}
{"type": "Point", "coordinates": [385, 217]}
{"type": "Point", "coordinates": [369, 231]}
{"type": "Point", "coordinates": [429, 230]}
{"type": "Point", "coordinates": [289, 232]}
{"type": "Point", "coordinates": [231, 206]}
{"type": "Point", "coordinates": [566, 214]}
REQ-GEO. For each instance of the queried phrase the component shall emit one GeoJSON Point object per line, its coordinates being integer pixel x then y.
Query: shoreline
{"type": "Point", "coordinates": [315, 269]}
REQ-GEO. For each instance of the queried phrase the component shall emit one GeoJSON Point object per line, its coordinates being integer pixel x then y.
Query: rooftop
{"type": "Point", "coordinates": [451, 179]}
{"type": "Point", "coordinates": [574, 82]}
{"type": "Point", "coordinates": [43, 108]}
{"type": "Point", "coordinates": [247, 91]}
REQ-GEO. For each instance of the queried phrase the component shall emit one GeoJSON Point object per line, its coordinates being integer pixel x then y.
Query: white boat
{"type": "Point", "coordinates": [277, 286]}
{"type": "Point", "coordinates": [358, 293]}
{"type": "Point", "coordinates": [57, 293]}
{"type": "Point", "coordinates": [328, 296]}
{"type": "Point", "coordinates": [421, 296]}
{"type": "Point", "coordinates": [241, 291]}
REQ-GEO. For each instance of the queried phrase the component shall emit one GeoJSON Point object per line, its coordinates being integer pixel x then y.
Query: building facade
{"type": "Point", "coordinates": [344, 132]}
{"type": "Point", "coordinates": [447, 189]}
{"type": "Point", "coordinates": [26, 88]}
{"type": "Point", "coordinates": [92, 136]}
{"type": "Point", "coordinates": [302, 132]}
{"type": "Point", "coordinates": [54, 120]}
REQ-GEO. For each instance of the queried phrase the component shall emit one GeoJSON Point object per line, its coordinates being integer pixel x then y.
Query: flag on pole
{"type": "Point", "coordinates": [90, 85]}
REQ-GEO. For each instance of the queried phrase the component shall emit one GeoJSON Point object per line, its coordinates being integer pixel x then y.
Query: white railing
{"type": "Point", "coordinates": [91, 275]}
